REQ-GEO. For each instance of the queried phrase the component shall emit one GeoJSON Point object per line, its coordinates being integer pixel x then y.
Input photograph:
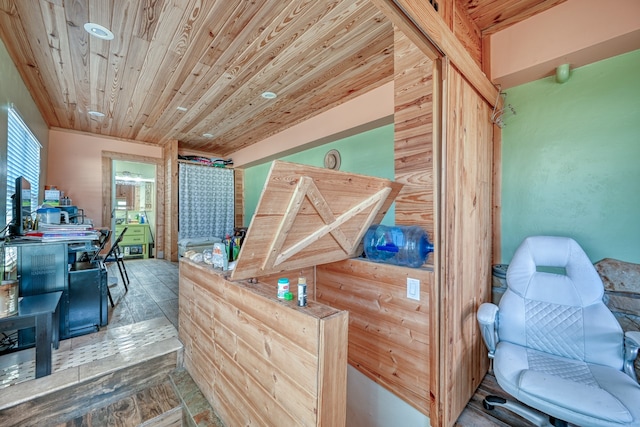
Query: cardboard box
{"type": "Point", "coordinates": [52, 197]}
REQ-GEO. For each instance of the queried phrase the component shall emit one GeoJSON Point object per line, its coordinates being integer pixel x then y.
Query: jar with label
{"type": "Point", "coordinates": [283, 287]}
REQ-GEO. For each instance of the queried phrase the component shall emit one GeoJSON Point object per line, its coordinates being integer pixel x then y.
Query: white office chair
{"type": "Point", "coordinates": [555, 345]}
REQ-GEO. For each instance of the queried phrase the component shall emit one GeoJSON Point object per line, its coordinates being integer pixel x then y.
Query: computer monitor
{"type": "Point", "coordinates": [21, 204]}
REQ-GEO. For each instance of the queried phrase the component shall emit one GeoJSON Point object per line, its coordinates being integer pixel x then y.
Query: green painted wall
{"type": "Point", "coordinates": [571, 160]}
{"type": "Point", "coordinates": [368, 153]}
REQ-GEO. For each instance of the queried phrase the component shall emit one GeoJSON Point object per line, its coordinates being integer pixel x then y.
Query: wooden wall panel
{"type": "Point", "coordinates": [413, 134]}
{"type": "Point", "coordinates": [389, 334]}
{"type": "Point", "coordinates": [465, 246]}
{"type": "Point", "coordinates": [238, 178]}
{"type": "Point", "coordinates": [170, 154]}
{"type": "Point", "coordinates": [259, 360]}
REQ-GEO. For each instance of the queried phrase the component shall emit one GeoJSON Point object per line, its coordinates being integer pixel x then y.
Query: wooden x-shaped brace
{"type": "Point", "coordinates": [307, 188]}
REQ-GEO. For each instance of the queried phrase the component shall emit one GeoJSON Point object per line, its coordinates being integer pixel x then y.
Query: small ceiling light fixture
{"type": "Point", "coordinates": [181, 108]}
{"type": "Point", "coordinates": [269, 95]}
{"type": "Point", "coordinates": [207, 135]}
{"type": "Point", "coordinates": [98, 31]}
{"type": "Point", "coordinates": [96, 114]}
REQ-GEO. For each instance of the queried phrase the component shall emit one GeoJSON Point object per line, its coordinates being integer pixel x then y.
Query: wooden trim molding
{"type": "Point", "coordinates": [422, 24]}
{"type": "Point", "coordinates": [170, 231]}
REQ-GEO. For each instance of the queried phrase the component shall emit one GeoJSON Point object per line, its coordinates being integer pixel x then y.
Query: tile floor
{"type": "Point", "coordinates": [146, 314]}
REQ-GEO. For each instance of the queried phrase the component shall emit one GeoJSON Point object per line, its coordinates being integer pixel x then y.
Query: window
{"type": "Point", "coordinates": [23, 159]}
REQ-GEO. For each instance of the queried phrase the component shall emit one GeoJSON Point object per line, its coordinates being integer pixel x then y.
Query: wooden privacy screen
{"type": "Point", "coordinates": [309, 216]}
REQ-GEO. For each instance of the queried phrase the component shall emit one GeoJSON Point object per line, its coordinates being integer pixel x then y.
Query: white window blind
{"type": "Point", "coordinates": [23, 159]}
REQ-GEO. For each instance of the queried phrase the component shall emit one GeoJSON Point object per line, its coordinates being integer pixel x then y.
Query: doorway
{"type": "Point", "coordinates": [144, 198]}
{"type": "Point", "coordinates": [134, 207]}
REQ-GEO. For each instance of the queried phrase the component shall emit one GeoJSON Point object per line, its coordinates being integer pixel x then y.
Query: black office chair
{"type": "Point", "coordinates": [116, 255]}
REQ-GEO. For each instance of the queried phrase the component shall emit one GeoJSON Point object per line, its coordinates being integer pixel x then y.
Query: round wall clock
{"type": "Point", "coordinates": [332, 160]}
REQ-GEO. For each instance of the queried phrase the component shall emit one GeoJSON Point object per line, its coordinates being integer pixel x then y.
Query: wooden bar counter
{"type": "Point", "coordinates": [260, 360]}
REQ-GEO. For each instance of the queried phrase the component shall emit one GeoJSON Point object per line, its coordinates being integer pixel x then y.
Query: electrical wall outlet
{"type": "Point", "coordinates": [413, 289]}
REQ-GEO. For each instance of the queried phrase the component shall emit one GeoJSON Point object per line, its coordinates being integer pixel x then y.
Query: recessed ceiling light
{"type": "Point", "coordinates": [181, 108]}
{"type": "Point", "coordinates": [98, 31]}
{"type": "Point", "coordinates": [207, 135]}
{"type": "Point", "coordinates": [269, 95]}
{"type": "Point", "coordinates": [96, 114]}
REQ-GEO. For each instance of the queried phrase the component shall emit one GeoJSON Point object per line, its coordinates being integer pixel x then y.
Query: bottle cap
{"type": "Point", "coordinates": [288, 296]}
{"type": "Point", "coordinates": [302, 280]}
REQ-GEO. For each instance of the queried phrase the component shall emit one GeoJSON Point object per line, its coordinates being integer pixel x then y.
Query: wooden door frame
{"type": "Point", "coordinates": [107, 188]}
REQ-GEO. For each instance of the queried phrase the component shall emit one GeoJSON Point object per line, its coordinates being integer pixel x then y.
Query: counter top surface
{"type": "Point", "coordinates": [268, 291]}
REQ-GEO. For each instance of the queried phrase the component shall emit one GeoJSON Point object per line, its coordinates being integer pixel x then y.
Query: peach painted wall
{"type": "Point", "coordinates": [373, 109]}
{"type": "Point", "coordinates": [578, 32]}
{"type": "Point", "coordinates": [75, 166]}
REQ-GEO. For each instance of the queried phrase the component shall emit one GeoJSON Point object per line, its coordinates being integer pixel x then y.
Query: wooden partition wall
{"type": "Point", "coordinates": [392, 339]}
{"type": "Point", "coordinates": [258, 360]}
{"type": "Point", "coordinates": [429, 353]}
{"type": "Point", "coordinates": [389, 335]}
{"type": "Point", "coordinates": [413, 139]}
{"type": "Point", "coordinates": [465, 248]}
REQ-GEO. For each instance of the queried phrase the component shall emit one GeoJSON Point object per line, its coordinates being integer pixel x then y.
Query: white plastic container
{"type": "Point", "coordinates": [283, 287]}
{"type": "Point", "coordinates": [48, 216]}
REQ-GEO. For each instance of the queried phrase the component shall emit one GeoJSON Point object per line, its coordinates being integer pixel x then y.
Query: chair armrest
{"type": "Point", "coordinates": [487, 318]}
{"type": "Point", "coordinates": [631, 347]}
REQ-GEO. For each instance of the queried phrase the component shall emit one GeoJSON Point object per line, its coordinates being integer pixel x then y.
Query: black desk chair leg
{"type": "Point", "coordinates": [110, 297]}
{"type": "Point", "coordinates": [115, 255]}
{"type": "Point", "coordinates": [123, 270]}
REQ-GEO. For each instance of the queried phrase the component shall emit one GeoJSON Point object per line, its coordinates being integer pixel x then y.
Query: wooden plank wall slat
{"type": "Point", "coordinates": [334, 340]}
{"type": "Point", "coordinates": [170, 154]}
{"type": "Point", "coordinates": [466, 221]}
{"type": "Point", "coordinates": [389, 335]}
{"type": "Point", "coordinates": [413, 134]}
{"type": "Point", "coordinates": [238, 178]}
{"type": "Point", "coordinates": [258, 360]}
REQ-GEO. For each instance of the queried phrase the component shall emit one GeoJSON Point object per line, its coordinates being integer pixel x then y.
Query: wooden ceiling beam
{"type": "Point", "coordinates": [422, 24]}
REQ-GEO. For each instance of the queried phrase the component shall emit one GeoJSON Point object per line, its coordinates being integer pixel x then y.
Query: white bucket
{"type": "Point", "coordinates": [8, 298]}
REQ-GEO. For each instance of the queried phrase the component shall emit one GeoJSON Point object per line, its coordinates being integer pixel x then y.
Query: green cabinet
{"type": "Point", "coordinates": [135, 242]}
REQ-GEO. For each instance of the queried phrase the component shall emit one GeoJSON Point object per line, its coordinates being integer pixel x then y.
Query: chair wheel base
{"type": "Point", "coordinates": [557, 423]}
{"type": "Point", "coordinates": [489, 402]}
{"type": "Point", "coordinates": [537, 418]}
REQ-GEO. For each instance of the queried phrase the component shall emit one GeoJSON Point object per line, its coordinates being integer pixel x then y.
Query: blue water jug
{"type": "Point", "coordinates": [400, 245]}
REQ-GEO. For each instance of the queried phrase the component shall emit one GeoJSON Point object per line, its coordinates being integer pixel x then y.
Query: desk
{"type": "Point", "coordinates": [41, 311]}
{"type": "Point", "coordinates": [45, 267]}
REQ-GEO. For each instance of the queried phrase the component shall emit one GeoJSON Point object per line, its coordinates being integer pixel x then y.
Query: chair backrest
{"type": "Point", "coordinates": [553, 303]}
{"type": "Point", "coordinates": [106, 234]}
{"type": "Point", "coordinates": [115, 249]}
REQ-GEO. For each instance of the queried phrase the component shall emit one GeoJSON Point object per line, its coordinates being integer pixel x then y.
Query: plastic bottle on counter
{"type": "Point", "coordinates": [399, 245]}
{"type": "Point", "coordinates": [283, 287]}
{"type": "Point", "coordinates": [302, 291]}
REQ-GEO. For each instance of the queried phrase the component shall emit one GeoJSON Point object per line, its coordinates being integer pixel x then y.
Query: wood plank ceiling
{"type": "Point", "coordinates": [212, 57]}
